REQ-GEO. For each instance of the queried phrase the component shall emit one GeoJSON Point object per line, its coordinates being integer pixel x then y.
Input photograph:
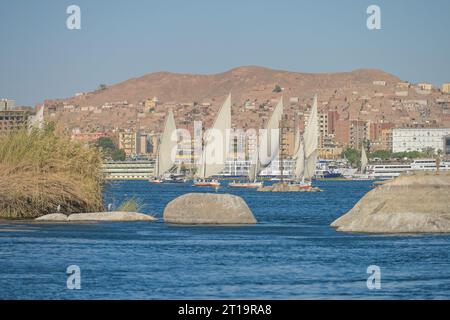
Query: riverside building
{"type": "Point", "coordinates": [419, 139]}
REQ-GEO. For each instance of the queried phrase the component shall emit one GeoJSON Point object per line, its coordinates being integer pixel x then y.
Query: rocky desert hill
{"type": "Point", "coordinates": [250, 82]}
{"type": "Point", "coordinates": [364, 94]}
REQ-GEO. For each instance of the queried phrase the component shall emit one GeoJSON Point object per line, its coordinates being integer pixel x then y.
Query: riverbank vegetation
{"type": "Point", "coordinates": [109, 149]}
{"type": "Point", "coordinates": [131, 205]}
{"type": "Point", "coordinates": [42, 173]}
{"type": "Point", "coordinates": [354, 156]}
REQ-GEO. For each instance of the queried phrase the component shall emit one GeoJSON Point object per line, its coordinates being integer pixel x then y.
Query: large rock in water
{"type": "Point", "coordinates": [207, 208]}
{"type": "Point", "coordinates": [415, 203]}
{"type": "Point", "coordinates": [97, 216]}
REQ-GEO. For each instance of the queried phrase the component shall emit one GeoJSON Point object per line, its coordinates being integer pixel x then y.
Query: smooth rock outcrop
{"type": "Point", "coordinates": [415, 203]}
{"type": "Point", "coordinates": [53, 217]}
{"type": "Point", "coordinates": [208, 208]}
{"type": "Point", "coordinates": [97, 216]}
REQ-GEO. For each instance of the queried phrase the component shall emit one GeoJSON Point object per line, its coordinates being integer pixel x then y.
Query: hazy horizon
{"type": "Point", "coordinates": [42, 59]}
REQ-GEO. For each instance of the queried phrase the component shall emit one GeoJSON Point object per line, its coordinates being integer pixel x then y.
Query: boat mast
{"type": "Point", "coordinates": [157, 158]}
{"type": "Point", "coordinates": [204, 158]}
{"type": "Point", "coordinates": [281, 151]}
{"type": "Point", "coordinates": [257, 159]}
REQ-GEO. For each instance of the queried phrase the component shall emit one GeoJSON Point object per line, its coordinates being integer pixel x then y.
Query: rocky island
{"type": "Point", "coordinates": [208, 208]}
{"type": "Point", "coordinates": [286, 187]}
{"type": "Point", "coordinates": [96, 216]}
{"type": "Point", "coordinates": [414, 203]}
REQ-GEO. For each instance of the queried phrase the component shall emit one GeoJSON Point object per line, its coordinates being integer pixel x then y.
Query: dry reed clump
{"type": "Point", "coordinates": [40, 171]}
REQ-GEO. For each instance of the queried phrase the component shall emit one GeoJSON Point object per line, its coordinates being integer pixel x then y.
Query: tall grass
{"type": "Point", "coordinates": [131, 205]}
{"type": "Point", "coordinates": [40, 171]}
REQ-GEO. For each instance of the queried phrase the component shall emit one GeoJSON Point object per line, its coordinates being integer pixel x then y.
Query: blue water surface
{"type": "Point", "coordinates": [292, 253]}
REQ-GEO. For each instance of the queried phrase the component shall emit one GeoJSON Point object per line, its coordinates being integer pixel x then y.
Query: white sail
{"type": "Point", "coordinates": [252, 172]}
{"type": "Point", "coordinates": [254, 167]}
{"type": "Point", "coordinates": [364, 160]}
{"type": "Point", "coordinates": [216, 143]}
{"type": "Point", "coordinates": [311, 135]}
{"type": "Point", "coordinates": [167, 147]}
{"type": "Point", "coordinates": [297, 141]}
{"type": "Point", "coordinates": [299, 160]}
{"type": "Point", "coordinates": [269, 138]}
{"type": "Point", "coordinates": [311, 141]}
{"type": "Point", "coordinates": [310, 166]}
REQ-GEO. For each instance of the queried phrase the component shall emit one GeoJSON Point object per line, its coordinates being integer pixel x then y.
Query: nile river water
{"type": "Point", "coordinates": [292, 253]}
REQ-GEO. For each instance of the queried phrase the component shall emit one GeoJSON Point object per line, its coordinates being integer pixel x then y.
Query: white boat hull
{"type": "Point", "coordinates": [246, 185]}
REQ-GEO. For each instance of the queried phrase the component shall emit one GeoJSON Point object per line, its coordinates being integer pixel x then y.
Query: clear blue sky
{"type": "Point", "coordinates": [40, 58]}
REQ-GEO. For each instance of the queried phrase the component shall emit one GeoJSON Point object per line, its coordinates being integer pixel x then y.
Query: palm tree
{"type": "Point", "coordinates": [438, 160]}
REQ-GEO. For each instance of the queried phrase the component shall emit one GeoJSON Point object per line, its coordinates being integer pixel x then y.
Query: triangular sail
{"type": "Point", "coordinates": [310, 166]}
{"type": "Point", "coordinates": [297, 141]}
{"type": "Point", "coordinates": [254, 167]}
{"type": "Point", "coordinates": [299, 161]}
{"type": "Point", "coordinates": [252, 172]}
{"type": "Point", "coordinates": [167, 147]}
{"type": "Point", "coordinates": [216, 143]}
{"type": "Point", "coordinates": [311, 141]}
{"type": "Point", "coordinates": [269, 138]}
{"type": "Point", "coordinates": [364, 160]}
{"type": "Point", "coordinates": [311, 135]}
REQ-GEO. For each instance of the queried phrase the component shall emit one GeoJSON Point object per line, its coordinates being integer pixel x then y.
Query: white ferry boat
{"type": "Point", "coordinates": [390, 171]}
{"type": "Point", "coordinates": [429, 164]}
{"type": "Point", "coordinates": [387, 171]}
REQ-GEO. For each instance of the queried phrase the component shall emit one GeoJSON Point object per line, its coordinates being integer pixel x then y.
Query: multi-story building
{"type": "Point", "coordinates": [12, 119]}
{"type": "Point", "coordinates": [386, 139]}
{"type": "Point", "coordinates": [425, 86]}
{"type": "Point", "coordinates": [419, 139]}
{"type": "Point", "coordinates": [375, 130]}
{"type": "Point", "coordinates": [333, 117]}
{"type": "Point", "coordinates": [128, 142]}
{"type": "Point", "coordinates": [342, 132]}
{"type": "Point", "coordinates": [6, 104]}
{"type": "Point", "coordinates": [446, 88]}
{"type": "Point", "coordinates": [358, 133]}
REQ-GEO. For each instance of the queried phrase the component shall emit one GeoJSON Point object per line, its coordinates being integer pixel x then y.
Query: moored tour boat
{"type": "Point", "coordinates": [207, 183]}
{"type": "Point", "coordinates": [246, 185]}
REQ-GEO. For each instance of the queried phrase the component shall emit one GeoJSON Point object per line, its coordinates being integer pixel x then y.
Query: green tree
{"type": "Point", "coordinates": [105, 143]}
{"type": "Point", "coordinates": [102, 87]}
{"type": "Point", "coordinates": [277, 89]}
{"type": "Point", "coordinates": [429, 152]}
{"type": "Point", "coordinates": [118, 155]}
{"type": "Point", "coordinates": [382, 154]}
{"type": "Point", "coordinates": [353, 156]}
{"type": "Point", "coordinates": [109, 149]}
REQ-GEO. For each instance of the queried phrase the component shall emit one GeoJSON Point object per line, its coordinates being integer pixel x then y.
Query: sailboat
{"type": "Point", "coordinates": [253, 182]}
{"type": "Point", "coordinates": [269, 146]}
{"type": "Point", "coordinates": [306, 151]}
{"type": "Point", "coordinates": [211, 146]}
{"type": "Point", "coordinates": [164, 159]}
{"type": "Point", "coordinates": [267, 149]}
{"type": "Point", "coordinates": [362, 175]}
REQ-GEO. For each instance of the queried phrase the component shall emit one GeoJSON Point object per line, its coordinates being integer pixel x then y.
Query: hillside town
{"type": "Point", "coordinates": [381, 115]}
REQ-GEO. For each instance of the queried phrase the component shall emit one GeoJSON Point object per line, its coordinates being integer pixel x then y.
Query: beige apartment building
{"type": "Point", "coordinates": [446, 88]}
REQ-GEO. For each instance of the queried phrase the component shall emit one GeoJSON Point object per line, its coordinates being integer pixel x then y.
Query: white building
{"type": "Point", "coordinates": [418, 139]}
